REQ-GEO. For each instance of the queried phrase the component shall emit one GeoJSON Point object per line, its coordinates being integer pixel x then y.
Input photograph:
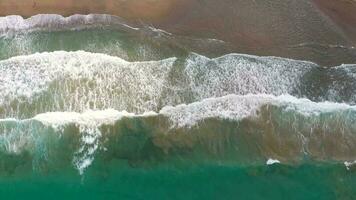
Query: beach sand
{"type": "Point", "coordinates": [342, 12]}
{"type": "Point", "coordinates": [131, 9]}
{"type": "Point", "coordinates": [299, 29]}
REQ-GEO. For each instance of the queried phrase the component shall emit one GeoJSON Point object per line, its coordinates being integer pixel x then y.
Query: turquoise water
{"type": "Point", "coordinates": [93, 108]}
{"type": "Point", "coordinates": [205, 181]}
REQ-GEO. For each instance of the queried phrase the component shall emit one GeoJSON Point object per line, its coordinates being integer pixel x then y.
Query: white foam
{"type": "Point", "coordinates": [88, 124]}
{"type": "Point", "coordinates": [348, 165]}
{"type": "Point", "coordinates": [8, 120]}
{"type": "Point", "coordinates": [80, 80]}
{"type": "Point", "coordinates": [244, 74]}
{"type": "Point", "coordinates": [343, 83]}
{"type": "Point", "coordinates": [159, 31]}
{"type": "Point", "coordinates": [271, 161]}
{"type": "Point", "coordinates": [88, 118]}
{"type": "Point", "coordinates": [237, 107]}
{"type": "Point", "coordinates": [231, 107]}
{"type": "Point", "coordinates": [16, 24]}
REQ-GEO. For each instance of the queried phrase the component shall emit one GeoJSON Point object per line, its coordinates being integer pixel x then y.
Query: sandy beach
{"type": "Point", "coordinates": [286, 28]}
{"type": "Point", "coordinates": [133, 9]}
{"type": "Point", "coordinates": [342, 13]}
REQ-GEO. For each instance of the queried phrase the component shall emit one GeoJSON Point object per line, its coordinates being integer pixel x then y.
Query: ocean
{"type": "Point", "coordinates": [93, 107]}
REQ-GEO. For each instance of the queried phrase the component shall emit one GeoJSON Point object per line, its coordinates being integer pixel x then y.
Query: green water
{"type": "Point", "coordinates": [204, 181]}
{"type": "Point", "coordinates": [129, 46]}
{"type": "Point", "coordinates": [201, 164]}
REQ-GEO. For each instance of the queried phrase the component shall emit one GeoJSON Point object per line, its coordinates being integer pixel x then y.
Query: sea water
{"type": "Point", "coordinates": [92, 107]}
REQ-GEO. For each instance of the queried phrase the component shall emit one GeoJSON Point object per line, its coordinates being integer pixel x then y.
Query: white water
{"type": "Point", "coordinates": [15, 24]}
{"type": "Point", "coordinates": [272, 161]}
{"type": "Point", "coordinates": [90, 90]}
{"type": "Point", "coordinates": [78, 81]}
{"type": "Point", "coordinates": [348, 165]}
{"type": "Point", "coordinates": [243, 74]}
{"type": "Point", "coordinates": [231, 107]}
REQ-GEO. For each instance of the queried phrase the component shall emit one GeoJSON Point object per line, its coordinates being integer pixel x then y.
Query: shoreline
{"type": "Point", "coordinates": [283, 29]}
{"type": "Point", "coordinates": [133, 9]}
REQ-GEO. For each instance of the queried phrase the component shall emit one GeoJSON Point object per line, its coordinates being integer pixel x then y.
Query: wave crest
{"type": "Point", "coordinates": [15, 24]}
{"type": "Point", "coordinates": [264, 126]}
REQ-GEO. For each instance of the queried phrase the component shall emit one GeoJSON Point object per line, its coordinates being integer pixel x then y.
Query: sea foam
{"type": "Point", "coordinates": [15, 24]}
{"type": "Point", "coordinates": [78, 81]}
{"type": "Point", "coordinates": [19, 133]}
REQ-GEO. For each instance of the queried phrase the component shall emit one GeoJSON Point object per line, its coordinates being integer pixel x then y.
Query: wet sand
{"type": "Point", "coordinates": [132, 9]}
{"type": "Point", "coordinates": [287, 28]}
{"type": "Point", "coordinates": [342, 13]}
{"type": "Point", "coordinates": [322, 31]}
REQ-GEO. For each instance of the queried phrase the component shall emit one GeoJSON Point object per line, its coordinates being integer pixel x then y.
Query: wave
{"type": "Point", "coordinates": [243, 74]}
{"type": "Point", "coordinates": [248, 129]}
{"type": "Point", "coordinates": [97, 33]}
{"type": "Point", "coordinates": [130, 46]}
{"type": "Point", "coordinates": [78, 81]}
{"type": "Point", "coordinates": [15, 24]}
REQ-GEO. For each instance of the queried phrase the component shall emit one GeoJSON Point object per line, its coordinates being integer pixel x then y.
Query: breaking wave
{"type": "Point", "coordinates": [100, 106]}
{"type": "Point", "coordinates": [78, 81]}
{"type": "Point", "coordinates": [230, 128]}
{"type": "Point", "coordinates": [15, 24]}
